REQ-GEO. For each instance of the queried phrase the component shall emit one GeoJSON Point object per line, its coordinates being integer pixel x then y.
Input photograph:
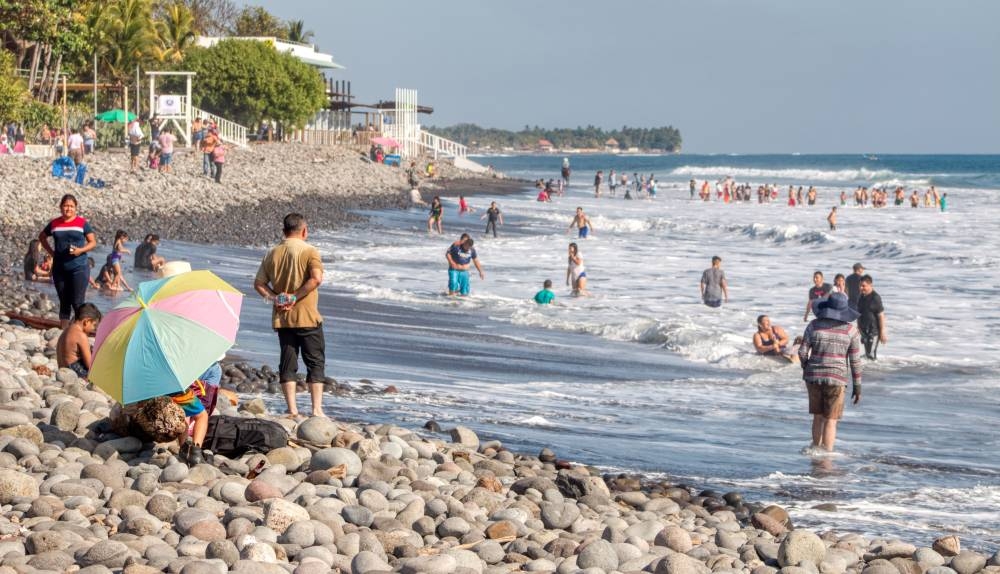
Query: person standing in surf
{"type": "Point", "coordinates": [582, 223]}
{"type": "Point", "coordinates": [436, 215]}
{"type": "Point", "coordinates": [565, 171]}
{"type": "Point", "coordinates": [832, 218]}
{"type": "Point", "coordinates": [492, 217]}
{"type": "Point", "coordinates": [872, 318]}
{"type": "Point", "coordinates": [714, 289]}
{"type": "Point", "coordinates": [830, 345]}
{"type": "Point", "coordinates": [818, 290]}
{"type": "Point", "coordinates": [460, 256]}
{"type": "Point", "coordinates": [576, 273]}
{"type": "Point", "coordinates": [598, 178]}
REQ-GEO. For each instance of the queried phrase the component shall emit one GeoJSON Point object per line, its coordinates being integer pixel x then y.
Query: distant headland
{"type": "Point", "coordinates": [564, 140]}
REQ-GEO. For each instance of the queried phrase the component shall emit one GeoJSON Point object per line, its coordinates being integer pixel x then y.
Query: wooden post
{"type": "Point", "coordinates": [125, 109]}
{"type": "Point", "coordinates": [65, 118]}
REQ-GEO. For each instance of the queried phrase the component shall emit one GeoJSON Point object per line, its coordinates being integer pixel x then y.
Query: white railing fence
{"type": "Point", "coordinates": [229, 131]}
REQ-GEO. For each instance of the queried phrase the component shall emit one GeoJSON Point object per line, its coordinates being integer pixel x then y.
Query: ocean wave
{"type": "Point", "coordinates": [783, 233]}
{"type": "Point", "coordinates": [744, 173]}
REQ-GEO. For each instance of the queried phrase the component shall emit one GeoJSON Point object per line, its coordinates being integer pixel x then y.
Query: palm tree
{"type": "Point", "coordinates": [296, 32]}
{"type": "Point", "coordinates": [127, 36]}
{"type": "Point", "coordinates": [176, 31]}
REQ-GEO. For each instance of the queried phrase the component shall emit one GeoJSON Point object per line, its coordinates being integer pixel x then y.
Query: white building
{"type": "Point", "coordinates": [307, 53]}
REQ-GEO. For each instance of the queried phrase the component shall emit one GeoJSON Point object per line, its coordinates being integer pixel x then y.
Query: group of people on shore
{"type": "Point", "coordinates": [77, 143]}
{"type": "Point", "coordinates": [639, 187]}
{"type": "Point", "coordinates": [162, 141]}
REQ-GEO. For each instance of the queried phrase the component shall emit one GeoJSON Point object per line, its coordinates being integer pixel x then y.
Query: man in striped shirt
{"type": "Point", "coordinates": [830, 347]}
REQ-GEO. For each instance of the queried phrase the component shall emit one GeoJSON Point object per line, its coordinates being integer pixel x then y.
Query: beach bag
{"type": "Point", "coordinates": [81, 174]}
{"type": "Point", "coordinates": [234, 436]}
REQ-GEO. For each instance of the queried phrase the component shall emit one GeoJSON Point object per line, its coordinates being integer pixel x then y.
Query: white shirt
{"type": "Point", "coordinates": [75, 141]}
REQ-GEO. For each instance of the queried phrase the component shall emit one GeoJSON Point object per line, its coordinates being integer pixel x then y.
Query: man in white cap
{"type": "Point", "coordinates": [830, 343]}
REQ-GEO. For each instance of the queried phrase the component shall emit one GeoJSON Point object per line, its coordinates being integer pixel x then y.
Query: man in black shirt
{"type": "Point", "coordinates": [853, 282]}
{"type": "Point", "coordinates": [871, 323]}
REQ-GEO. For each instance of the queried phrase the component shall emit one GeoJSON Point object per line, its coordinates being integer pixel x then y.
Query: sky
{"type": "Point", "coordinates": [734, 76]}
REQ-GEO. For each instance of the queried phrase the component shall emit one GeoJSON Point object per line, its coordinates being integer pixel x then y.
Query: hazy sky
{"type": "Point", "coordinates": [733, 75]}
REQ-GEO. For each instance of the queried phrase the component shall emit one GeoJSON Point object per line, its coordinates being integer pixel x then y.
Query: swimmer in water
{"type": "Point", "coordinates": [576, 273]}
{"type": "Point", "coordinates": [582, 223]}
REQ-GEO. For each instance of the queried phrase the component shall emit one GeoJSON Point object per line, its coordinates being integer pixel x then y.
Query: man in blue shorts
{"type": "Point", "coordinates": [460, 256]}
{"type": "Point", "coordinates": [582, 223]}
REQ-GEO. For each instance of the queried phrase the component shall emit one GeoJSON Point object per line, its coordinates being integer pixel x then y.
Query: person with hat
{"type": "Point", "coordinates": [830, 345]}
{"type": "Point", "coordinates": [853, 282]}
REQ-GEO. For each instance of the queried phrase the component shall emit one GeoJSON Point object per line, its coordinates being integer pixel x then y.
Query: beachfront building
{"type": "Point", "coordinates": [306, 53]}
{"type": "Point", "coordinates": [611, 146]}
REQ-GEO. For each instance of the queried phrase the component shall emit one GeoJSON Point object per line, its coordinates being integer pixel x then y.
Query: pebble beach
{"type": "Point", "coordinates": [342, 497]}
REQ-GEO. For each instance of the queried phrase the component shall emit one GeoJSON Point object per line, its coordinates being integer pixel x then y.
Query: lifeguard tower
{"type": "Point", "coordinates": [176, 109]}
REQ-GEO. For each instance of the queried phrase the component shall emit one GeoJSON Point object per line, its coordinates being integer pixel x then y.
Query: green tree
{"type": "Point", "coordinates": [249, 81]}
{"type": "Point", "coordinates": [127, 37]}
{"type": "Point", "coordinates": [298, 33]}
{"type": "Point", "coordinates": [256, 21]}
{"type": "Point", "coordinates": [13, 91]}
{"type": "Point", "coordinates": [176, 31]}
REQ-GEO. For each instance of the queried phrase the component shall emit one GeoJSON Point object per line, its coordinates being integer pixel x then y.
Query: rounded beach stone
{"type": "Point", "coordinates": [302, 534]}
{"type": "Point", "coordinates": [465, 437]}
{"type": "Point", "coordinates": [162, 506]}
{"type": "Point", "coordinates": [358, 515]}
{"type": "Point", "coordinates": [108, 475]}
{"type": "Point", "coordinates": [968, 562]}
{"type": "Point", "coordinates": [45, 541]}
{"type": "Point", "coordinates": [674, 538]}
{"type": "Point", "coordinates": [65, 416]}
{"type": "Point", "coordinates": [317, 430]}
{"type": "Point", "coordinates": [280, 513]}
{"type": "Point", "coordinates": [949, 545]}
{"type": "Point", "coordinates": [598, 554]}
{"type": "Point", "coordinates": [222, 550]}
{"type": "Point", "coordinates": [109, 553]}
{"type": "Point", "coordinates": [880, 566]}
{"type": "Point", "coordinates": [208, 530]}
{"type": "Point", "coordinates": [801, 545]}
{"type": "Point", "coordinates": [285, 456]}
{"type": "Point", "coordinates": [260, 489]}
{"type": "Point", "coordinates": [680, 564]}
{"type": "Point", "coordinates": [365, 562]}
{"type": "Point", "coordinates": [928, 558]}
{"type": "Point", "coordinates": [15, 484]}
{"type": "Point", "coordinates": [442, 564]}
{"type": "Point", "coordinates": [559, 514]}
{"type": "Point", "coordinates": [176, 472]}
{"type": "Point", "coordinates": [501, 529]}
{"type": "Point", "coordinates": [453, 527]}
{"type": "Point", "coordinates": [328, 458]}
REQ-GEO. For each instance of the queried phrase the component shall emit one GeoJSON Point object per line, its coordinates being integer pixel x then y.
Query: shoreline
{"type": "Point", "coordinates": [541, 505]}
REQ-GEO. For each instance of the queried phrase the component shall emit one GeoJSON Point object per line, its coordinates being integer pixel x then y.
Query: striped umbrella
{"type": "Point", "coordinates": [164, 335]}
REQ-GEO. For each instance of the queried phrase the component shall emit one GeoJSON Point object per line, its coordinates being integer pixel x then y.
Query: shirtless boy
{"type": "Point", "coordinates": [582, 223]}
{"type": "Point", "coordinates": [73, 347]}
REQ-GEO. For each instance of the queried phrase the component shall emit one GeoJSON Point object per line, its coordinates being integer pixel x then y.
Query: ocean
{"type": "Point", "coordinates": [642, 377]}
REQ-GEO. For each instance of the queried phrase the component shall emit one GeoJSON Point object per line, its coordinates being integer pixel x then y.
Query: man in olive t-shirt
{"type": "Point", "coordinates": [288, 278]}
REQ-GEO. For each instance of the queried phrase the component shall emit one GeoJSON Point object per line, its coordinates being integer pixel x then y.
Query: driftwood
{"type": "Point", "coordinates": [425, 551]}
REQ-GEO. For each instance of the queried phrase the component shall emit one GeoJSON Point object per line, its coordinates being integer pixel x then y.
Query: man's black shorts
{"type": "Point", "coordinates": [134, 149]}
{"type": "Point", "coordinates": [310, 342]}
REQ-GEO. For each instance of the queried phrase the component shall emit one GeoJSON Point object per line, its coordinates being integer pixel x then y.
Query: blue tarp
{"type": "Point", "coordinates": [63, 166]}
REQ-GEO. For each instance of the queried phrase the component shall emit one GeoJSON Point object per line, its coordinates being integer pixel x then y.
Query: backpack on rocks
{"type": "Point", "coordinates": [234, 436]}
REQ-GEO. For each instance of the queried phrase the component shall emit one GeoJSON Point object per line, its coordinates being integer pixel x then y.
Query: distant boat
{"type": "Point", "coordinates": [871, 157]}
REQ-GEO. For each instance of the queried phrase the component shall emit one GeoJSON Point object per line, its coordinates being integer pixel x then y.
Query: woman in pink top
{"type": "Point", "coordinates": [166, 139]}
{"type": "Point", "coordinates": [219, 158]}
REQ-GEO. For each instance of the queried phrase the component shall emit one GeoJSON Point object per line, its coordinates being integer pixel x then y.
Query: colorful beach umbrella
{"type": "Point", "coordinates": [385, 141]}
{"type": "Point", "coordinates": [164, 335]}
{"type": "Point", "coordinates": [115, 116]}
